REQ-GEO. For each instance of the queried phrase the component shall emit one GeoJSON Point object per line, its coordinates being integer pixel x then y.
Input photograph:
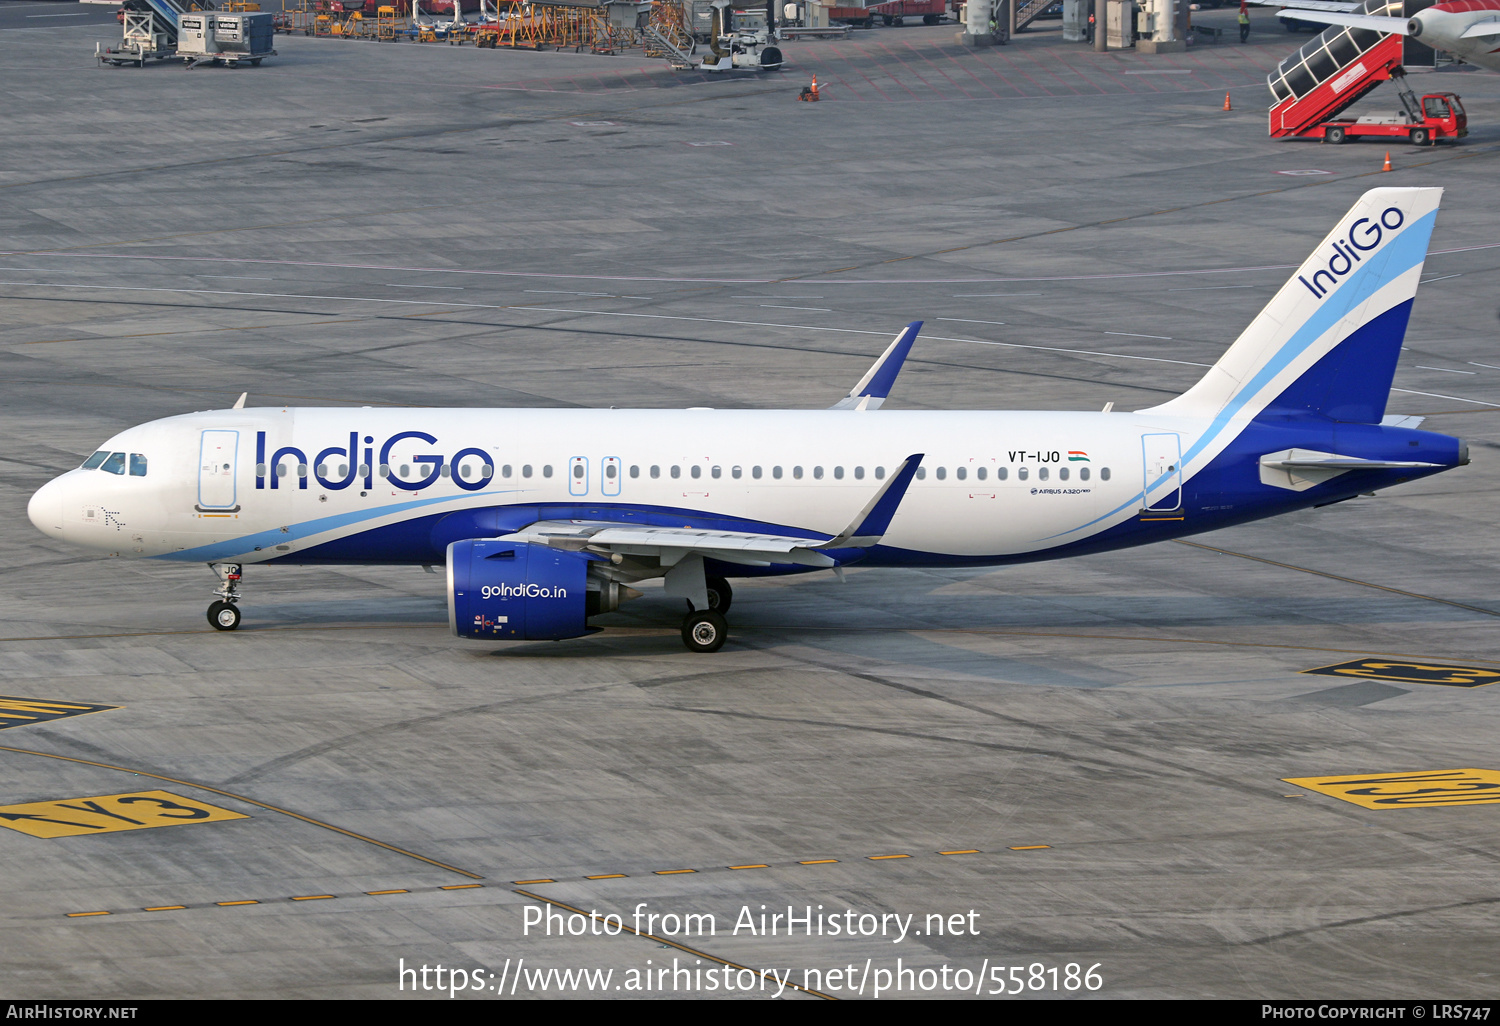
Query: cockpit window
{"type": "Point", "coordinates": [137, 465]}
{"type": "Point", "coordinates": [115, 464]}
{"type": "Point", "coordinates": [92, 463]}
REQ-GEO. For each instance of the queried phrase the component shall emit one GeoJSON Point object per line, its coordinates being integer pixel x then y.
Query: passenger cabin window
{"type": "Point", "coordinates": [942, 473]}
{"type": "Point", "coordinates": [715, 473]}
{"type": "Point", "coordinates": [776, 473]}
{"type": "Point", "coordinates": [547, 470]}
{"type": "Point", "coordinates": [114, 464]}
{"type": "Point", "coordinates": [1041, 474]}
{"type": "Point", "coordinates": [755, 473]}
{"type": "Point", "coordinates": [138, 465]}
{"type": "Point", "coordinates": [736, 472]}
{"type": "Point", "coordinates": [961, 473]}
{"type": "Point", "coordinates": [797, 473]}
{"type": "Point", "coordinates": [610, 470]}
{"type": "Point", "coordinates": [526, 470]}
{"type": "Point", "coordinates": [979, 472]}
{"type": "Point", "coordinates": [696, 471]}
{"type": "Point", "coordinates": [1002, 473]}
{"type": "Point", "coordinates": [838, 473]}
{"type": "Point", "coordinates": [818, 473]}
{"type": "Point", "coordinates": [635, 470]}
{"type": "Point", "coordinates": [1104, 473]}
{"type": "Point", "coordinates": [921, 473]}
{"type": "Point", "coordinates": [578, 471]}
{"type": "Point", "coordinates": [676, 471]}
{"type": "Point", "coordinates": [505, 470]}
{"type": "Point", "coordinates": [92, 463]}
{"type": "Point", "coordinates": [880, 473]}
{"type": "Point", "coordinates": [406, 470]}
{"type": "Point", "coordinates": [1083, 473]}
{"type": "Point", "coordinates": [656, 472]}
{"type": "Point", "coordinates": [1021, 474]}
{"type": "Point", "coordinates": [859, 473]}
{"type": "Point", "coordinates": [1062, 473]}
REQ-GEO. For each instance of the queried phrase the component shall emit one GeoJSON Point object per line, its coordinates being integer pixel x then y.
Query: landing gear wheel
{"type": "Point", "coordinates": [1334, 136]}
{"type": "Point", "coordinates": [770, 58]}
{"type": "Point", "coordinates": [931, 19]}
{"type": "Point", "coordinates": [704, 631]}
{"type": "Point", "coordinates": [720, 595]}
{"type": "Point", "coordinates": [1420, 136]}
{"type": "Point", "coordinates": [225, 616]}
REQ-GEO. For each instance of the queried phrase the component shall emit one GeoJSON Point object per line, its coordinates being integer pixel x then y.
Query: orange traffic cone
{"type": "Point", "coordinates": [1387, 161]}
{"type": "Point", "coordinates": [815, 87]}
{"type": "Point", "coordinates": [810, 92]}
{"type": "Point", "coordinates": [1226, 102]}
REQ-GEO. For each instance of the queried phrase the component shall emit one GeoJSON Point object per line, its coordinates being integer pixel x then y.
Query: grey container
{"type": "Point", "coordinates": [252, 32]}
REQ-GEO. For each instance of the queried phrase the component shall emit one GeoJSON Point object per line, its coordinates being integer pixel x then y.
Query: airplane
{"type": "Point", "coordinates": [1468, 29]}
{"type": "Point", "coordinates": [545, 518]}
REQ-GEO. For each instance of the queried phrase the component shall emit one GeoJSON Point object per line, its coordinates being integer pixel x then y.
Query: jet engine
{"type": "Point", "coordinates": [511, 590]}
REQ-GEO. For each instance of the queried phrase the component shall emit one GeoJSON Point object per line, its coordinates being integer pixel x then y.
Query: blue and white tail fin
{"type": "Point", "coordinates": [1327, 344]}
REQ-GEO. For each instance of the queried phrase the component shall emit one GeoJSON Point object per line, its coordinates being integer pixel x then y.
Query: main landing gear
{"type": "Point", "coordinates": [224, 614]}
{"type": "Point", "coordinates": [705, 630]}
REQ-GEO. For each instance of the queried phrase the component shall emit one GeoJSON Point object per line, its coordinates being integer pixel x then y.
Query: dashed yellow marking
{"type": "Point", "coordinates": [458, 887]}
{"type": "Point", "coordinates": [1029, 847]}
{"type": "Point", "coordinates": [961, 851]}
{"type": "Point", "coordinates": [164, 908]}
{"type": "Point", "coordinates": [758, 865]}
{"type": "Point", "coordinates": [878, 858]}
{"type": "Point", "coordinates": [312, 897]}
{"type": "Point", "coordinates": [816, 862]}
{"type": "Point", "coordinates": [247, 901]}
{"type": "Point", "coordinates": [102, 814]}
{"type": "Point", "coordinates": [394, 890]}
{"type": "Point", "coordinates": [18, 712]}
{"type": "Point", "coordinates": [523, 883]}
{"type": "Point", "coordinates": [1409, 790]}
{"type": "Point", "coordinates": [606, 876]}
{"type": "Point", "coordinates": [672, 872]}
{"type": "Point", "coordinates": [1463, 676]}
{"type": "Point", "coordinates": [80, 915]}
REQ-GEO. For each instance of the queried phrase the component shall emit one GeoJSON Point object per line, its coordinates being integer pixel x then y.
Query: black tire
{"type": "Point", "coordinates": [1420, 136]}
{"type": "Point", "coordinates": [899, 22]}
{"type": "Point", "coordinates": [255, 62]}
{"type": "Point", "coordinates": [704, 631]}
{"type": "Point", "coordinates": [887, 20]}
{"type": "Point", "coordinates": [224, 616]}
{"type": "Point", "coordinates": [771, 59]}
{"type": "Point", "coordinates": [1334, 136]}
{"type": "Point", "coordinates": [720, 595]}
{"type": "Point", "coordinates": [869, 22]}
{"type": "Point", "coordinates": [931, 19]}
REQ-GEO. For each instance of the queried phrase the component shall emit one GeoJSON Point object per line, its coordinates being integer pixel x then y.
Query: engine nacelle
{"type": "Point", "coordinates": [511, 590]}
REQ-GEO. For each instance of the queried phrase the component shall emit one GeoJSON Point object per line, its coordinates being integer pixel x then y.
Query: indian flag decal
{"type": "Point", "coordinates": [1078, 456]}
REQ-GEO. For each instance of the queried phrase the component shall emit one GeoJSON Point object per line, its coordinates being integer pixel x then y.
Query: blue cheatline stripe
{"type": "Point", "coordinates": [1407, 250]}
{"type": "Point", "coordinates": [248, 543]}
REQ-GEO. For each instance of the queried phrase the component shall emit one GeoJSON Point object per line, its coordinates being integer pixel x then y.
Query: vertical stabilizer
{"type": "Point", "coordinates": [1326, 345]}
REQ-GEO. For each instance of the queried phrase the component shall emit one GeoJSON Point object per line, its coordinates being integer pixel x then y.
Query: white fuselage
{"type": "Point", "coordinates": [991, 484]}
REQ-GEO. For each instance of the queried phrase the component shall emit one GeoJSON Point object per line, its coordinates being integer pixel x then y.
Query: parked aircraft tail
{"type": "Point", "coordinates": [1326, 345]}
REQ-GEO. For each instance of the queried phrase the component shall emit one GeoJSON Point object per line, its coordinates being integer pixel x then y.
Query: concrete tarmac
{"type": "Point", "coordinates": [1100, 745]}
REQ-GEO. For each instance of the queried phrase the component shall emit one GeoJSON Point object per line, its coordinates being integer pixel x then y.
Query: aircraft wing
{"type": "Point", "coordinates": [670, 545]}
{"type": "Point", "coordinates": [1338, 14]}
{"type": "Point", "coordinates": [1335, 6]}
{"type": "Point", "coordinates": [873, 389]}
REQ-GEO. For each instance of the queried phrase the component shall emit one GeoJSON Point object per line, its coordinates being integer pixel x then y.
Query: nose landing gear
{"type": "Point", "coordinates": [224, 614]}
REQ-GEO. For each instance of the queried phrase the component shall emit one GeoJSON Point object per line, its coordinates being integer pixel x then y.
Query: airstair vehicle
{"type": "Point", "coordinates": [189, 30]}
{"type": "Point", "coordinates": [1340, 66]}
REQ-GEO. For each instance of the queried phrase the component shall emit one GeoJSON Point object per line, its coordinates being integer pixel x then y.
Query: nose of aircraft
{"type": "Point", "coordinates": [45, 508]}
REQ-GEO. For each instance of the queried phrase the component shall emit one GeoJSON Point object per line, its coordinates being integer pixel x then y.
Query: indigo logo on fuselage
{"type": "Point", "coordinates": [1346, 251]}
{"type": "Point", "coordinates": [354, 468]}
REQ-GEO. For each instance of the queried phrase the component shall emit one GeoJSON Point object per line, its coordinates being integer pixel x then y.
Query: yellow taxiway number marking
{"type": "Point", "coordinates": [671, 872]}
{"type": "Point", "coordinates": [458, 887]}
{"type": "Point", "coordinates": [961, 851]}
{"type": "Point", "coordinates": [606, 876]}
{"type": "Point", "coordinates": [523, 883]}
{"type": "Point", "coordinates": [164, 908]}
{"type": "Point", "coordinates": [1411, 673]}
{"type": "Point", "coordinates": [877, 858]}
{"type": "Point", "coordinates": [1029, 847]}
{"type": "Point", "coordinates": [18, 712]}
{"type": "Point", "coordinates": [312, 897]}
{"type": "Point", "coordinates": [758, 865]}
{"type": "Point", "coordinates": [816, 862]}
{"type": "Point", "coordinates": [104, 814]}
{"type": "Point", "coordinates": [396, 890]}
{"type": "Point", "coordinates": [80, 915]}
{"type": "Point", "coordinates": [247, 901]}
{"type": "Point", "coordinates": [1409, 790]}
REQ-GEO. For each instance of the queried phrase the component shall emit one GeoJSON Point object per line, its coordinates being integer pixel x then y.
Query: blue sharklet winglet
{"type": "Point", "coordinates": [870, 525]}
{"type": "Point", "coordinates": [874, 388]}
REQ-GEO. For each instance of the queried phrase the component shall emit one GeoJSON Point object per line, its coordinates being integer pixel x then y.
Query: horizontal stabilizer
{"type": "Point", "coordinates": [1484, 28]}
{"type": "Point", "coordinates": [875, 387]}
{"type": "Point", "coordinates": [1301, 469]}
{"type": "Point", "coordinates": [870, 525]}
